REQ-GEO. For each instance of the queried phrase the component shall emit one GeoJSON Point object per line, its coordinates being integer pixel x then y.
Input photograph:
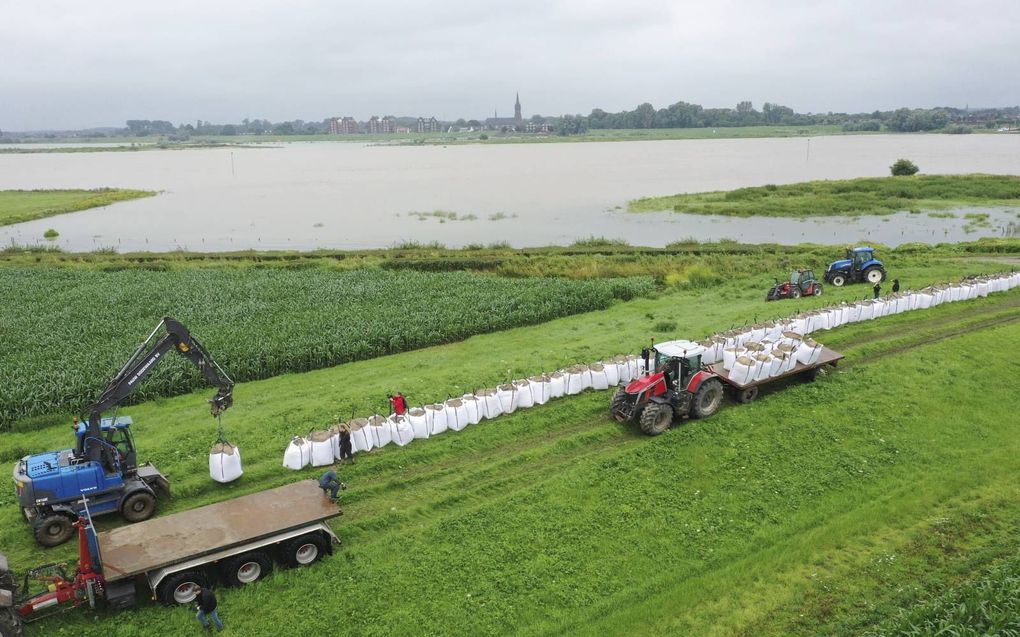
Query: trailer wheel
{"type": "Point", "coordinates": [246, 568]}
{"type": "Point", "coordinates": [656, 418]}
{"type": "Point", "coordinates": [138, 506]}
{"type": "Point", "coordinates": [811, 374]}
{"type": "Point", "coordinates": [619, 404]}
{"type": "Point", "coordinates": [304, 550]}
{"type": "Point", "coordinates": [747, 395]}
{"type": "Point", "coordinates": [53, 530]}
{"type": "Point", "coordinates": [708, 398]}
{"type": "Point", "coordinates": [181, 588]}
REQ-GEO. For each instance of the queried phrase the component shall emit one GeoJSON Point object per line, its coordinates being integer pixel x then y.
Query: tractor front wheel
{"type": "Point", "coordinates": [656, 418]}
{"type": "Point", "coordinates": [838, 280]}
{"type": "Point", "coordinates": [708, 398]}
{"type": "Point", "coordinates": [618, 407]}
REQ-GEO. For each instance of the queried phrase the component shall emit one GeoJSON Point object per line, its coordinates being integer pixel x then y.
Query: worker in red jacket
{"type": "Point", "coordinates": [399, 403]}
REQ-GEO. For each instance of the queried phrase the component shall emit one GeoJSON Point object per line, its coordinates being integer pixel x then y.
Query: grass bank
{"type": "Point", "coordinates": [819, 509]}
{"type": "Point", "coordinates": [17, 206]}
{"type": "Point", "coordinates": [848, 197]}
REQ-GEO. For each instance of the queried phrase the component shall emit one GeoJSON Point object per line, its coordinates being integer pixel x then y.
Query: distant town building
{"type": "Point", "coordinates": [376, 125]}
{"type": "Point", "coordinates": [514, 123]}
{"type": "Point", "coordinates": [343, 126]}
{"type": "Point", "coordinates": [403, 129]}
{"type": "Point", "coordinates": [430, 125]}
{"type": "Point", "coordinates": [532, 127]}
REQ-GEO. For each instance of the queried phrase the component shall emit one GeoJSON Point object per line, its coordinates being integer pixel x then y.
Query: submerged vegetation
{"type": "Point", "coordinates": [848, 197]}
{"type": "Point", "coordinates": [17, 206]}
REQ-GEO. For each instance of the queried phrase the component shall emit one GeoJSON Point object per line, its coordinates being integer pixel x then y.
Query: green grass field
{"type": "Point", "coordinates": [17, 206]}
{"type": "Point", "coordinates": [848, 197]}
{"type": "Point", "coordinates": [821, 508]}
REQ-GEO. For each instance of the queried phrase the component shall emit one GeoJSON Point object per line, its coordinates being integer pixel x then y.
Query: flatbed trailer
{"type": "Point", "coordinates": [234, 542]}
{"type": "Point", "coordinates": [747, 392]}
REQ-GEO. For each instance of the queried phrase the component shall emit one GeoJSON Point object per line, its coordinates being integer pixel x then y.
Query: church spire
{"type": "Point", "coordinates": [517, 108]}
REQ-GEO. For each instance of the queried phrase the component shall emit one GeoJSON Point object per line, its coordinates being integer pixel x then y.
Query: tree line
{"type": "Point", "coordinates": [645, 116]}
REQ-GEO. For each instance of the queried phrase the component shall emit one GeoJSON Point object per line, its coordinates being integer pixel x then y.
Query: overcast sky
{"type": "Point", "coordinates": [72, 64]}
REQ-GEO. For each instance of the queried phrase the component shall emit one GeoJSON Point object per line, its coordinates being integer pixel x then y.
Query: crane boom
{"type": "Point", "coordinates": [141, 364]}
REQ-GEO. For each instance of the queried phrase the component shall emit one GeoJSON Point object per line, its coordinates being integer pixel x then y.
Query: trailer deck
{"type": "Point", "coordinates": [159, 542]}
{"type": "Point", "coordinates": [828, 357]}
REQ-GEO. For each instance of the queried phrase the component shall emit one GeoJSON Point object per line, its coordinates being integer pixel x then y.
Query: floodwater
{"type": "Point", "coordinates": [350, 195]}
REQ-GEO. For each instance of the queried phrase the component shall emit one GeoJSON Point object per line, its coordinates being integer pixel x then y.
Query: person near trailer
{"type": "Point", "coordinates": [205, 602]}
{"type": "Point", "coordinates": [330, 481]}
{"type": "Point", "coordinates": [346, 449]}
{"type": "Point", "coordinates": [399, 403]}
{"type": "Point", "coordinates": [878, 288]}
{"type": "Point", "coordinates": [895, 286]}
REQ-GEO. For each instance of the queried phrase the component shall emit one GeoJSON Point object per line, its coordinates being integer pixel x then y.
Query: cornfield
{"type": "Point", "coordinates": [67, 330]}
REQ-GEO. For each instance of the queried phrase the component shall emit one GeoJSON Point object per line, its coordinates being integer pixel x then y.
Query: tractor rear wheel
{"type": "Point", "coordinates": [618, 406]}
{"type": "Point", "coordinates": [656, 418]}
{"type": "Point", "coordinates": [54, 530]}
{"type": "Point", "coordinates": [838, 280]}
{"type": "Point", "coordinates": [874, 275]}
{"type": "Point", "coordinates": [707, 399]}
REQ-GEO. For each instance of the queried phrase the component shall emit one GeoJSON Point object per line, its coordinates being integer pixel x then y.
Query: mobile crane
{"type": "Point", "coordinates": [103, 469]}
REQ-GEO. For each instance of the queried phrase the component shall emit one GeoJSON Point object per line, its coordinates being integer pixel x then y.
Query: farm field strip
{"type": "Point", "coordinates": [412, 547]}
{"type": "Point", "coordinates": [256, 323]}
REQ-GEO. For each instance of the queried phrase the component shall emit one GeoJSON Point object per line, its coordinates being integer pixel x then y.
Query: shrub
{"type": "Point", "coordinates": [903, 168]}
{"type": "Point", "coordinates": [51, 234]}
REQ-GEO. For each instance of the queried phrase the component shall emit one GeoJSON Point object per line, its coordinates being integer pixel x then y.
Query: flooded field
{"type": "Point", "coordinates": [347, 195]}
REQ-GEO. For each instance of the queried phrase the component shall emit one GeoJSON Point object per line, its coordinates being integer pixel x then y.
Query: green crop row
{"type": "Point", "coordinates": [67, 331]}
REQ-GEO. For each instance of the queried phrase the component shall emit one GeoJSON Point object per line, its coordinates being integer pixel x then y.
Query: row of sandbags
{"type": "Point", "coordinates": [800, 325]}
{"type": "Point", "coordinates": [321, 447]}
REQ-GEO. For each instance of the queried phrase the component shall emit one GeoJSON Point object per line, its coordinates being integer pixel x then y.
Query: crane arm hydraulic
{"type": "Point", "coordinates": [141, 364]}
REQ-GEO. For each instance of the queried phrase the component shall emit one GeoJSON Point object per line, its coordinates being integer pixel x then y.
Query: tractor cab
{"type": "Point", "coordinates": [678, 361]}
{"type": "Point", "coordinates": [802, 283]}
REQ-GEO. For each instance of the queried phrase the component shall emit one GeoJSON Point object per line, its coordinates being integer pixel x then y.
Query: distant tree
{"type": "Point", "coordinates": [229, 129]}
{"type": "Point", "coordinates": [903, 168]}
{"type": "Point", "coordinates": [285, 128]}
{"type": "Point", "coordinates": [474, 123]}
{"type": "Point", "coordinates": [745, 107]}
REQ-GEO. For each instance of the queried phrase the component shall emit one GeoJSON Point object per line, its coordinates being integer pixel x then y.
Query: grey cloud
{"type": "Point", "coordinates": [74, 64]}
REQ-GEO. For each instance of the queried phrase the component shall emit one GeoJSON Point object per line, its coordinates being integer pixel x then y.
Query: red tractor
{"type": "Point", "coordinates": [677, 386]}
{"type": "Point", "coordinates": [801, 283]}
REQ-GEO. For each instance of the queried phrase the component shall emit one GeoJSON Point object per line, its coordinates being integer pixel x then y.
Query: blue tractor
{"type": "Point", "coordinates": [103, 467]}
{"type": "Point", "coordinates": [859, 265]}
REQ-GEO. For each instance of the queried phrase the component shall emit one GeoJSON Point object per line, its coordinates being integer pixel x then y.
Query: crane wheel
{"type": "Point", "coordinates": [138, 506]}
{"type": "Point", "coordinates": [656, 418]}
{"type": "Point", "coordinates": [708, 398]}
{"type": "Point", "coordinates": [53, 530]}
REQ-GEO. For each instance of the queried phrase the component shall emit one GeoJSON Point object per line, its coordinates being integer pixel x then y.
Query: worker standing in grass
{"type": "Point", "coordinates": [878, 288]}
{"type": "Point", "coordinates": [895, 286]}
{"type": "Point", "coordinates": [399, 403]}
{"type": "Point", "coordinates": [345, 444]}
{"type": "Point", "coordinates": [206, 604]}
{"type": "Point", "coordinates": [330, 481]}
